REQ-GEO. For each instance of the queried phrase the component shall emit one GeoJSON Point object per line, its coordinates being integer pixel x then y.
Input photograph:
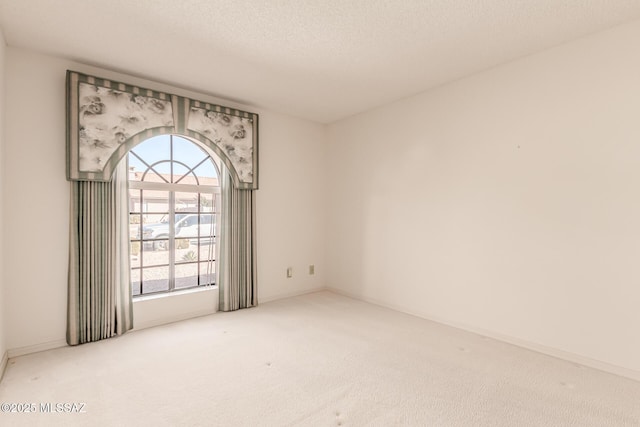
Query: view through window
{"type": "Point", "coordinates": [174, 194]}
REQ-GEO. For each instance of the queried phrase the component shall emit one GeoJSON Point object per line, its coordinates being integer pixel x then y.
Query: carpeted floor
{"type": "Point", "coordinates": [314, 360]}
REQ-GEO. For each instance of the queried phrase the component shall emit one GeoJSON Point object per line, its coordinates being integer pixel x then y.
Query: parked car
{"type": "Point", "coordinates": [188, 227]}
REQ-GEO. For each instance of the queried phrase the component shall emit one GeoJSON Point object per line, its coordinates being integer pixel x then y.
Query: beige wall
{"type": "Point", "coordinates": [289, 202]}
{"type": "Point", "coordinates": [507, 202]}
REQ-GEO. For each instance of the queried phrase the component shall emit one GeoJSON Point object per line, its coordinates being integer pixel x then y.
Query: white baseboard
{"type": "Point", "coordinates": [292, 294]}
{"type": "Point", "coordinates": [21, 351]}
{"type": "Point", "coordinates": [3, 364]}
{"type": "Point", "coordinates": [549, 351]}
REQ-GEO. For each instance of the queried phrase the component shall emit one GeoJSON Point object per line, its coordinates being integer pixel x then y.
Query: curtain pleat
{"type": "Point", "coordinates": [237, 277]}
{"type": "Point", "coordinates": [99, 296]}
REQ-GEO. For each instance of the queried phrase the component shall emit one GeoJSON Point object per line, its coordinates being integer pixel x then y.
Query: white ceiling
{"type": "Point", "coordinates": [318, 59]}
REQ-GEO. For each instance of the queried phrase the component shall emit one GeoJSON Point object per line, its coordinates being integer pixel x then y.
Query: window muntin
{"type": "Point", "coordinates": [174, 195]}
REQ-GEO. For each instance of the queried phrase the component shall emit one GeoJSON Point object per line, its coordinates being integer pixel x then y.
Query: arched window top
{"type": "Point", "coordinates": [172, 159]}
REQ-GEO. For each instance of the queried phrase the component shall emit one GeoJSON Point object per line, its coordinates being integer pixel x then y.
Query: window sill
{"type": "Point", "coordinates": [175, 293]}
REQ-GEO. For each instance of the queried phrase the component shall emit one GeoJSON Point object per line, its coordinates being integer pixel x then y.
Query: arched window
{"type": "Point", "coordinates": [174, 199]}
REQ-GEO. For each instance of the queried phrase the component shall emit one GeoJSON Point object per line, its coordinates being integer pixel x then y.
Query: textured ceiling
{"type": "Point", "coordinates": [318, 59]}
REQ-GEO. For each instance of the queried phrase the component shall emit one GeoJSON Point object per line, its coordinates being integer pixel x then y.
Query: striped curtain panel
{"type": "Point", "coordinates": [99, 297]}
{"type": "Point", "coordinates": [237, 279]}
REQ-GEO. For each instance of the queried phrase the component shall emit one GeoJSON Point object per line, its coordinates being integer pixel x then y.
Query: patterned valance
{"type": "Point", "coordinates": [105, 119]}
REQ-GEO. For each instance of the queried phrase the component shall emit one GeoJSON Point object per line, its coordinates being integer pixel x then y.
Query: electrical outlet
{"type": "Point", "coordinates": [289, 272]}
{"type": "Point", "coordinates": [312, 269]}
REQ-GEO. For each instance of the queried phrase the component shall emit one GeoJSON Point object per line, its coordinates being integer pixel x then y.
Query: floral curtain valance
{"type": "Point", "coordinates": [105, 119]}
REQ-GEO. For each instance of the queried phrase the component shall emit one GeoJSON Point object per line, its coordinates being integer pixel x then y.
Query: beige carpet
{"type": "Point", "coordinates": [315, 360]}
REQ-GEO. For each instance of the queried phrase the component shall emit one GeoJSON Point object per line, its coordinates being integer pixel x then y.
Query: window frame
{"type": "Point", "coordinates": [172, 188]}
